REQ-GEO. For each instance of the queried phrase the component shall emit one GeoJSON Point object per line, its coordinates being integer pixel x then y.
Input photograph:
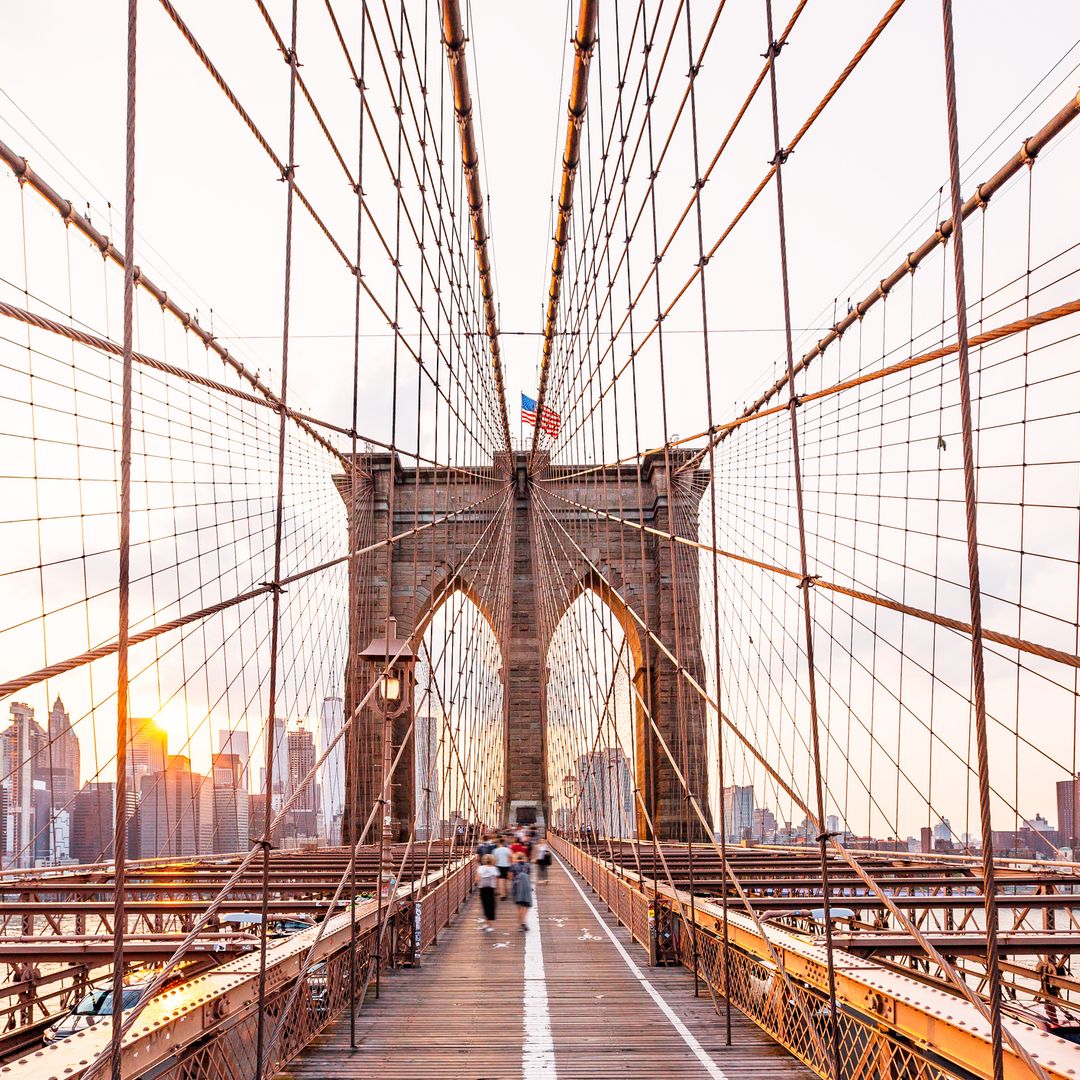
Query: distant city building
{"type": "Point", "coordinates": [93, 814]}
{"type": "Point", "coordinates": [230, 829]}
{"type": "Point", "coordinates": [23, 744]}
{"type": "Point", "coordinates": [301, 746]}
{"type": "Point", "coordinates": [62, 758]}
{"type": "Point", "coordinates": [281, 763]}
{"type": "Point", "coordinates": [234, 741]}
{"type": "Point", "coordinates": [168, 812]}
{"type": "Point", "coordinates": [764, 825]}
{"type": "Point", "coordinates": [1068, 811]}
{"type": "Point", "coordinates": [1036, 839]}
{"type": "Point", "coordinates": [332, 774]}
{"type": "Point", "coordinates": [425, 740]}
{"type": "Point", "coordinates": [607, 794]}
{"type": "Point", "coordinates": [147, 748]}
{"type": "Point", "coordinates": [738, 811]}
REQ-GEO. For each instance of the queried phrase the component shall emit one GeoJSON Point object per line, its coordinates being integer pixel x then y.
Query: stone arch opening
{"type": "Point", "coordinates": [459, 744]}
{"type": "Point", "coordinates": [595, 718]}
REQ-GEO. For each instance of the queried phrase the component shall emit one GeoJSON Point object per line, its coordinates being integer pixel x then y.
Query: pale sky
{"type": "Point", "coordinates": [862, 190]}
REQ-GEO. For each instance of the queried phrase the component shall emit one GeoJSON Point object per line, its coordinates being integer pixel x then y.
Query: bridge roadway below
{"type": "Point", "coordinates": [573, 997]}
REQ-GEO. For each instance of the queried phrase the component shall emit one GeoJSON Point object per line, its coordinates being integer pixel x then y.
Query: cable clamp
{"type": "Point", "coordinates": [780, 157]}
{"type": "Point", "coordinates": [261, 841]}
{"type": "Point", "coordinates": [274, 586]}
{"type": "Point", "coordinates": [808, 580]}
{"type": "Point", "coordinates": [825, 837]}
{"type": "Point", "coordinates": [774, 49]}
{"type": "Point", "coordinates": [794, 402]}
{"type": "Point", "coordinates": [1026, 156]}
{"type": "Point", "coordinates": [287, 173]}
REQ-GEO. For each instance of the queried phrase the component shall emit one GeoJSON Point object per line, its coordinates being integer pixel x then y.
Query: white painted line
{"type": "Point", "coordinates": [696, 1048]}
{"type": "Point", "coordinates": [538, 1049]}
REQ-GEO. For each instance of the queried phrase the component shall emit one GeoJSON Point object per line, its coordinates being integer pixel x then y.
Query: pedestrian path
{"type": "Point", "coordinates": [572, 997]}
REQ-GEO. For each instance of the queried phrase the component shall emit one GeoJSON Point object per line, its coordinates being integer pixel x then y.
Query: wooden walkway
{"type": "Point", "coordinates": [559, 1002]}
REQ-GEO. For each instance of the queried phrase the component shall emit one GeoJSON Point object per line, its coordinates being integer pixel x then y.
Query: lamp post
{"type": "Point", "coordinates": [395, 659]}
{"type": "Point", "coordinates": [569, 787]}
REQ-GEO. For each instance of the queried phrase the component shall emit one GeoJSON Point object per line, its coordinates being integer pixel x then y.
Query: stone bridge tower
{"type": "Point", "coordinates": [629, 568]}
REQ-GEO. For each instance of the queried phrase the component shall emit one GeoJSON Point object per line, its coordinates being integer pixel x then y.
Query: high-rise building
{"type": "Point", "coordinates": [62, 759]}
{"type": "Point", "coordinates": [169, 808]}
{"type": "Point", "coordinates": [147, 748]}
{"type": "Point", "coordinates": [281, 762]}
{"type": "Point", "coordinates": [235, 741]}
{"type": "Point", "coordinates": [93, 813]}
{"type": "Point", "coordinates": [332, 774]}
{"type": "Point", "coordinates": [607, 794]}
{"type": "Point", "coordinates": [230, 830]}
{"type": "Point", "coordinates": [23, 745]}
{"type": "Point", "coordinates": [301, 762]}
{"type": "Point", "coordinates": [738, 811]}
{"type": "Point", "coordinates": [1068, 797]}
{"type": "Point", "coordinates": [425, 742]}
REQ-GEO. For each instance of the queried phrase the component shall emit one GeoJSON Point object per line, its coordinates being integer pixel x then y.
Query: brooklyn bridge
{"type": "Point", "coordinates": [715, 715]}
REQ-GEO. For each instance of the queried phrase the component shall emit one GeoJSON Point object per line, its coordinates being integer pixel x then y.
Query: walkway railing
{"type": "Point", "coordinates": [889, 1025]}
{"type": "Point", "coordinates": [207, 1027]}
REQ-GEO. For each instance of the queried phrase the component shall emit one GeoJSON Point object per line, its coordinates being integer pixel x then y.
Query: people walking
{"type": "Point", "coordinates": [522, 889]}
{"type": "Point", "coordinates": [487, 875]}
{"type": "Point", "coordinates": [542, 858]}
{"type": "Point", "coordinates": [501, 855]}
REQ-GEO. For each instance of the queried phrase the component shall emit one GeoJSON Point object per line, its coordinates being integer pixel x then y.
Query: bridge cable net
{"type": "Point", "coordinates": [809, 640]}
{"type": "Point", "coordinates": [803, 681]}
{"type": "Point", "coordinates": [255, 658]}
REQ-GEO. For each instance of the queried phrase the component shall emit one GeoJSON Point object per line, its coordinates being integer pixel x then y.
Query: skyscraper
{"type": "Point", "coordinates": [230, 831]}
{"type": "Point", "coordinates": [147, 748]}
{"type": "Point", "coordinates": [1067, 792]}
{"type": "Point", "coordinates": [301, 762]}
{"type": "Point", "coordinates": [607, 796]}
{"type": "Point", "coordinates": [332, 774]}
{"type": "Point", "coordinates": [738, 811]}
{"type": "Point", "coordinates": [170, 806]}
{"type": "Point", "coordinates": [281, 762]}
{"type": "Point", "coordinates": [93, 813]}
{"type": "Point", "coordinates": [425, 741]}
{"type": "Point", "coordinates": [235, 741]}
{"type": "Point", "coordinates": [23, 743]}
{"type": "Point", "coordinates": [63, 757]}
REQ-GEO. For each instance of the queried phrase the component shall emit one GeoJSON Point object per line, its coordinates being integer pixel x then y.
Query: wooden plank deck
{"type": "Point", "coordinates": [465, 1012]}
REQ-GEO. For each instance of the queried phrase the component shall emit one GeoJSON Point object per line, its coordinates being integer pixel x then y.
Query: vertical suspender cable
{"type": "Point", "coordinates": [120, 823]}
{"type": "Point", "coordinates": [725, 945]}
{"type": "Point", "coordinates": [584, 40]}
{"type": "Point", "coordinates": [978, 676]}
{"type": "Point", "coordinates": [353, 747]}
{"type": "Point", "coordinates": [780, 155]}
{"type": "Point", "coordinates": [275, 628]}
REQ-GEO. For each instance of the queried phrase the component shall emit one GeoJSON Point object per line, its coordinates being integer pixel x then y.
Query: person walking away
{"type": "Point", "coordinates": [542, 858]}
{"type": "Point", "coordinates": [501, 855]}
{"type": "Point", "coordinates": [485, 847]}
{"type": "Point", "coordinates": [522, 889]}
{"type": "Point", "coordinates": [487, 876]}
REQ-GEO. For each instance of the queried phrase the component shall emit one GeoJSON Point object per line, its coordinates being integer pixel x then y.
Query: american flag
{"type": "Point", "coordinates": [549, 419]}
